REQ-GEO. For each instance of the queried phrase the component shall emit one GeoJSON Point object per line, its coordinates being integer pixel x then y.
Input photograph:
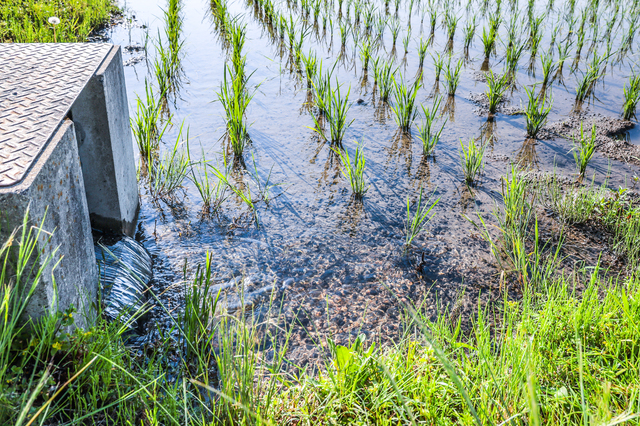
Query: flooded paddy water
{"type": "Point", "coordinates": [337, 263]}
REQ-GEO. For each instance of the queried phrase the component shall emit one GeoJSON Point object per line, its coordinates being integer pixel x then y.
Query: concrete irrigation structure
{"type": "Point", "coordinates": [66, 153]}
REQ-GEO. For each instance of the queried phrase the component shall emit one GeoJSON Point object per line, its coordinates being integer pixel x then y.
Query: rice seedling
{"type": "Point", "coordinates": [167, 174]}
{"type": "Point", "coordinates": [422, 52]}
{"type": "Point", "coordinates": [162, 67]}
{"type": "Point", "coordinates": [433, 16]}
{"type": "Point", "coordinates": [452, 24]}
{"type": "Point", "coordinates": [438, 64]}
{"type": "Point", "coordinates": [344, 33]}
{"type": "Point", "coordinates": [212, 191]}
{"type": "Point", "coordinates": [514, 53]}
{"type": "Point", "coordinates": [537, 111]}
{"type": "Point", "coordinates": [631, 97]}
{"type": "Point", "coordinates": [322, 89]}
{"type": "Point", "coordinates": [417, 222]}
{"type": "Point", "coordinates": [404, 105]}
{"type": "Point", "coordinates": [405, 41]}
{"type": "Point", "coordinates": [384, 75]}
{"type": "Point", "coordinates": [427, 133]}
{"type": "Point", "coordinates": [488, 41]}
{"type": "Point", "coordinates": [354, 172]}
{"type": "Point", "coordinates": [365, 54]}
{"type": "Point", "coordinates": [471, 158]}
{"type": "Point", "coordinates": [452, 76]}
{"type": "Point", "coordinates": [235, 97]}
{"type": "Point", "coordinates": [394, 27]}
{"type": "Point", "coordinates": [469, 32]}
{"type": "Point", "coordinates": [583, 149]}
{"type": "Point", "coordinates": [311, 67]}
{"type": "Point", "coordinates": [495, 89]}
{"type": "Point", "coordinates": [173, 29]}
{"type": "Point", "coordinates": [548, 67]}
{"type": "Point", "coordinates": [586, 84]}
{"type": "Point", "coordinates": [336, 115]}
{"type": "Point", "coordinates": [145, 123]}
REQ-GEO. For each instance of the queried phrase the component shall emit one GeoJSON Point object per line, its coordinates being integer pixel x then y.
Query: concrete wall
{"type": "Point", "coordinates": [55, 187]}
{"type": "Point", "coordinates": [101, 117]}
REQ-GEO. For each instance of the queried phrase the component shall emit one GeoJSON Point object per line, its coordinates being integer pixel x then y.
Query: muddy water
{"type": "Point", "coordinates": [336, 262]}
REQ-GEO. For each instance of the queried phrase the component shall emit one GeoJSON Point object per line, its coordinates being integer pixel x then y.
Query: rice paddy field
{"type": "Point", "coordinates": [317, 78]}
{"type": "Point", "coordinates": [365, 212]}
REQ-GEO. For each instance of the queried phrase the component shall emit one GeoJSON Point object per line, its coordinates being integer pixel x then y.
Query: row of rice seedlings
{"type": "Point", "coordinates": [472, 160]}
{"type": "Point", "coordinates": [404, 105]}
{"type": "Point", "coordinates": [583, 149]}
{"type": "Point", "coordinates": [631, 97]}
{"type": "Point", "coordinates": [416, 222]}
{"type": "Point", "coordinates": [496, 87]}
{"type": "Point", "coordinates": [145, 123]}
{"type": "Point", "coordinates": [427, 132]}
{"type": "Point", "coordinates": [234, 96]}
{"type": "Point", "coordinates": [354, 172]}
{"type": "Point", "coordinates": [537, 111]}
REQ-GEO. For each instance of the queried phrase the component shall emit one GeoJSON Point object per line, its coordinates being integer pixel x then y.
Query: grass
{"type": "Point", "coordinates": [537, 111]}
{"type": "Point", "coordinates": [631, 97]}
{"type": "Point", "coordinates": [427, 133]}
{"type": "Point", "coordinates": [438, 64]}
{"type": "Point", "coordinates": [471, 158]}
{"type": "Point", "coordinates": [583, 149]}
{"type": "Point", "coordinates": [28, 21]}
{"type": "Point", "coordinates": [365, 54]}
{"type": "Point", "coordinates": [404, 105]}
{"type": "Point", "coordinates": [422, 52]}
{"type": "Point", "coordinates": [469, 32]}
{"type": "Point", "coordinates": [354, 172]}
{"type": "Point", "coordinates": [496, 87]}
{"type": "Point", "coordinates": [416, 222]}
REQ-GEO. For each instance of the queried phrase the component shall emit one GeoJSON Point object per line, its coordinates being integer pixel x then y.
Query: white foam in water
{"type": "Point", "coordinates": [125, 272]}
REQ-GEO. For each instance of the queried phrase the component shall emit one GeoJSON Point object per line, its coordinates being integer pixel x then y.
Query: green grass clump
{"type": "Point", "coordinates": [384, 75]}
{"type": "Point", "coordinates": [471, 158]}
{"type": "Point", "coordinates": [354, 172]}
{"type": "Point", "coordinates": [28, 21]}
{"type": "Point", "coordinates": [452, 76]}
